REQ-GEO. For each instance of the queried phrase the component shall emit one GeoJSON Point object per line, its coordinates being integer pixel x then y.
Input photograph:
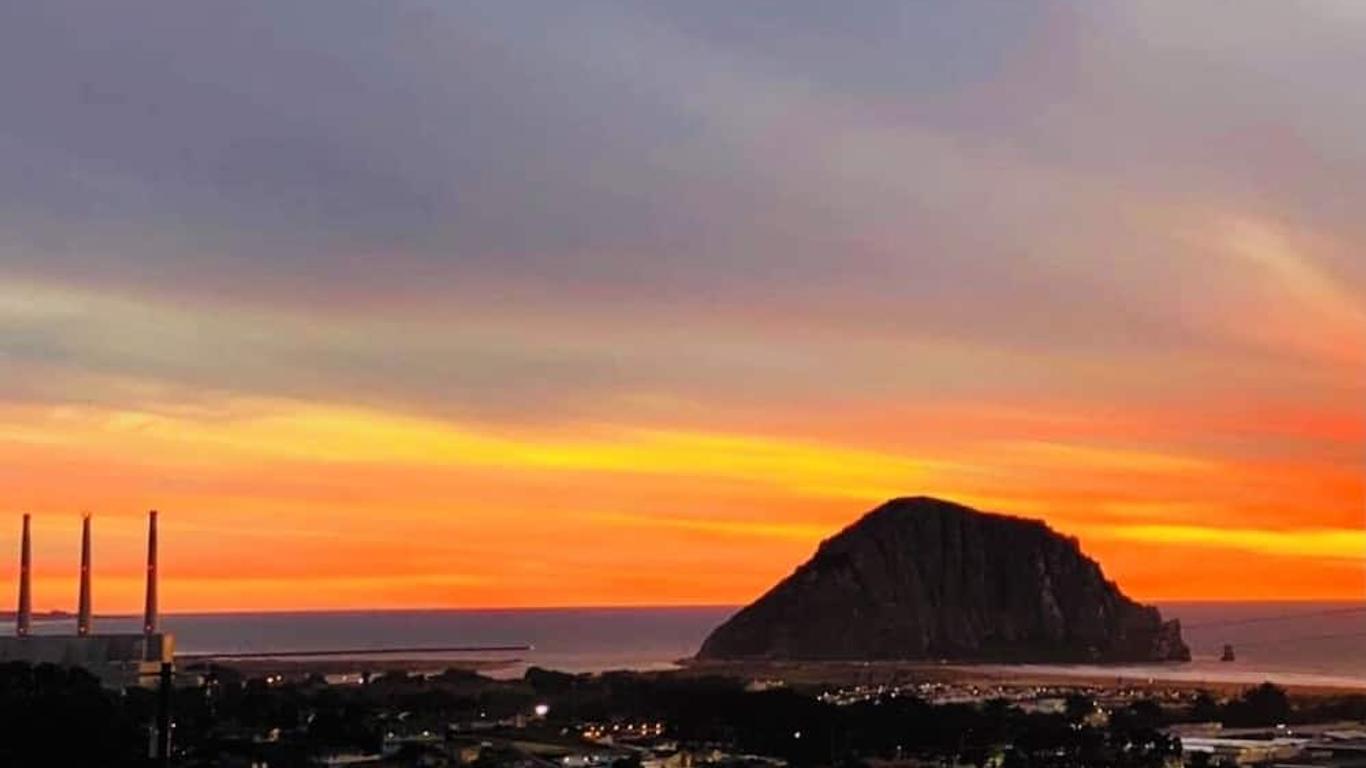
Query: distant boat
{"type": "Point", "coordinates": [1228, 654]}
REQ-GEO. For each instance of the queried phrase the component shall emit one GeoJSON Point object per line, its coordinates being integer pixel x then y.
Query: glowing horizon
{"type": "Point", "coordinates": [634, 304]}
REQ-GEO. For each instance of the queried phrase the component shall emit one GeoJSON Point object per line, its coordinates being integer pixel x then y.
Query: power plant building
{"type": "Point", "coordinates": [119, 660]}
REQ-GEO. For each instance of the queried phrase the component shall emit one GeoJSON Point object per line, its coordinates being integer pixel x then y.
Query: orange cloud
{"type": "Point", "coordinates": [1334, 543]}
{"type": "Point", "coordinates": [284, 504]}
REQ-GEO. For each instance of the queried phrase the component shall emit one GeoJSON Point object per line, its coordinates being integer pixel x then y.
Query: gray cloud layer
{"type": "Point", "coordinates": [1002, 175]}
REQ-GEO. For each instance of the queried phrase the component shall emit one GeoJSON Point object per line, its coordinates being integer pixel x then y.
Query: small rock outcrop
{"type": "Point", "coordinates": [921, 578]}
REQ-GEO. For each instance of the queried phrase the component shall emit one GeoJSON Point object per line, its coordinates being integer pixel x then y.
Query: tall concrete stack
{"type": "Point", "coordinates": [83, 609]}
{"type": "Point", "coordinates": [23, 617]}
{"type": "Point", "coordinates": [149, 614]}
{"type": "Point", "coordinates": [119, 660]}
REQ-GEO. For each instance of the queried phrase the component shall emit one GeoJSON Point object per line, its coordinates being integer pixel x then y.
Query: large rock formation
{"type": "Point", "coordinates": [920, 578]}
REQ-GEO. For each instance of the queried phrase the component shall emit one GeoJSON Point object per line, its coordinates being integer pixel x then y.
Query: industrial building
{"type": "Point", "coordinates": [118, 660]}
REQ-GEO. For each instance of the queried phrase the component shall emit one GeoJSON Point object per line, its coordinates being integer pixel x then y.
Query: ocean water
{"type": "Point", "coordinates": [572, 640]}
{"type": "Point", "coordinates": [1321, 644]}
{"type": "Point", "coordinates": [1291, 643]}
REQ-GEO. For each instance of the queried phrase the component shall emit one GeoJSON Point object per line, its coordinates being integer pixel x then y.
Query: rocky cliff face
{"type": "Point", "coordinates": [921, 578]}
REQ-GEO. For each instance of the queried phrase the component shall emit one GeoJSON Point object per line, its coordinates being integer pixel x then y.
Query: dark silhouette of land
{"type": "Point", "coordinates": [53, 716]}
{"type": "Point", "coordinates": [921, 578]}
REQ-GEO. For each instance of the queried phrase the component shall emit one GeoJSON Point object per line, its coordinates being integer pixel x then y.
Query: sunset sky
{"type": "Point", "coordinates": [401, 304]}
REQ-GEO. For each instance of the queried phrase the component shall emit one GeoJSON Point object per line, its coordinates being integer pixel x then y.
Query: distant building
{"type": "Point", "coordinates": [1244, 751]}
{"type": "Point", "coordinates": [118, 660]}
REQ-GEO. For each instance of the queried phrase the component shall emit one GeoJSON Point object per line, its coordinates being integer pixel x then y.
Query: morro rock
{"type": "Point", "coordinates": [920, 578]}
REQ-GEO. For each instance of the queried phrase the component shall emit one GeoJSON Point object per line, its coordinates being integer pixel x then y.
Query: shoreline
{"type": "Point", "coordinates": [849, 673]}
{"type": "Point", "coordinates": [346, 666]}
{"type": "Point", "coordinates": [808, 674]}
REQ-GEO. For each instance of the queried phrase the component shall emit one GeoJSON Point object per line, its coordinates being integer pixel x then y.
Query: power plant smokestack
{"type": "Point", "coordinates": [23, 620]}
{"type": "Point", "coordinates": [83, 614]}
{"type": "Point", "coordinates": [149, 615]}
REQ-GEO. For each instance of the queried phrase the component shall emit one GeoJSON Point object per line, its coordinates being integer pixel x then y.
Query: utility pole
{"type": "Point", "coordinates": [161, 752]}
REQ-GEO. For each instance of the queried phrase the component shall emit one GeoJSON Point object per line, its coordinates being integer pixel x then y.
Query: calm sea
{"type": "Point", "coordinates": [1306, 643]}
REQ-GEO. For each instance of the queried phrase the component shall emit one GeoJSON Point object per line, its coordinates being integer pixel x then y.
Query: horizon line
{"type": "Point", "coordinates": [613, 607]}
